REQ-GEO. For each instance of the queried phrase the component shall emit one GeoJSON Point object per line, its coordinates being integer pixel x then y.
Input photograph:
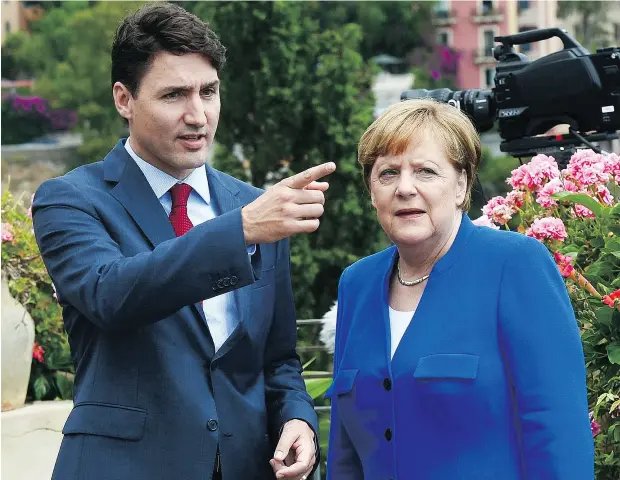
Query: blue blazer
{"type": "Point", "coordinates": [152, 399]}
{"type": "Point", "coordinates": [488, 381]}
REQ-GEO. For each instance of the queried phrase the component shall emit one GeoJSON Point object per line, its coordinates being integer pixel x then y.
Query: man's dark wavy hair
{"type": "Point", "coordinates": [160, 27]}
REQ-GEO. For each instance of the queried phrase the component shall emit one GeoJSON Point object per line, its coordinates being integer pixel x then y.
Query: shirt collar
{"type": "Point", "coordinates": [161, 182]}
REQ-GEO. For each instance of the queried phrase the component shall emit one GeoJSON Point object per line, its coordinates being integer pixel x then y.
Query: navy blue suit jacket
{"type": "Point", "coordinates": [488, 381]}
{"type": "Point", "coordinates": [152, 399]}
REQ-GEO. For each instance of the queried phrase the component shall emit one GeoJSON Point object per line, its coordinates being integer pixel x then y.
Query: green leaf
{"type": "Point", "coordinates": [603, 316]}
{"type": "Point", "coordinates": [64, 382]}
{"type": "Point", "coordinates": [41, 387]}
{"type": "Point", "coordinates": [317, 386]}
{"type": "Point", "coordinates": [570, 249]}
{"type": "Point", "coordinates": [309, 362]}
{"type": "Point", "coordinates": [613, 353]}
{"type": "Point", "coordinates": [582, 199]}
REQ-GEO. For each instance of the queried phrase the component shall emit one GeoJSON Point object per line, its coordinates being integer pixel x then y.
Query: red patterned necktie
{"type": "Point", "coordinates": [178, 215]}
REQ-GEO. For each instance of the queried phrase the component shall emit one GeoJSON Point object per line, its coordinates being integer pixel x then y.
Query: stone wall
{"type": "Point", "coordinates": [26, 166]}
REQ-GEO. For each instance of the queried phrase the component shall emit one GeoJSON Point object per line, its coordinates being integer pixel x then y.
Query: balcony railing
{"type": "Point", "coordinates": [483, 55]}
{"type": "Point", "coordinates": [444, 17]}
{"type": "Point", "coordinates": [488, 15]}
{"type": "Point", "coordinates": [315, 348]}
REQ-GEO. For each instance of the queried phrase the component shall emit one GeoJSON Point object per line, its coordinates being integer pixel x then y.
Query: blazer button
{"type": "Point", "coordinates": [227, 281]}
{"type": "Point", "coordinates": [220, 283]}
{"type": "Point", "coordinates": [233, 280]}
{"type": "Point", "coordinates": [212, 425]}
{"type": "Point", "coordinates": [214, 287]}
{"type": "Point", "coordinates": [387, 384]}
{"type": "Point", "coordinates": [388, 434]}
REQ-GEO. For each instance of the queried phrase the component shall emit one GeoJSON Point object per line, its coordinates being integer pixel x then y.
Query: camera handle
{"type": "Point", "coordinates": [531, 36]}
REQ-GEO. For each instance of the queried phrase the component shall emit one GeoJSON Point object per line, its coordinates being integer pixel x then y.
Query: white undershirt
{"type": "Point", "coordinates": [399, 321]}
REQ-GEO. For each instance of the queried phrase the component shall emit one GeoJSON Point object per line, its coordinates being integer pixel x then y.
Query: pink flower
{"type": "Point", "coordinates": [564, 264]}
{"type": "Point", "coordinates": [583, 212]}
{"type": "Point", "coordinates": [498, 210]}
{"type": "Point", "coordinates": [534, 174]}
{"type": "Point", "coordinates": [587, 168]}
{"type": "Point", "coordinates": [612, 166]}
{"type": "Point", "coordinates": [484, 221]}
{"type": "Point", "coordinates": [594, 426]}
{"type": "Point", "coordinates": [604, 195]}
{"type": "Point", "coordinates": [544, 194]}
{"type": "Point", "coordinates": [611, 299]}
{"type": "Point", "coordinates": [515, 199]}
{"type": "Point", "coordinates": [7, 232]}
{"type": "Point", "coordinates": [37, 352]}
{"type": "Point", "coordinates": [548, 228]}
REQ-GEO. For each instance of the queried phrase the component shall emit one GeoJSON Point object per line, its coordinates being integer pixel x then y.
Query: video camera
{"type": "Point", "coordinates": [570, 86]}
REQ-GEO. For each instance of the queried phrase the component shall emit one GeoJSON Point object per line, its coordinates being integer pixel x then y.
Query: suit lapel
{"type": "Point", "coordinates": [136, 195]}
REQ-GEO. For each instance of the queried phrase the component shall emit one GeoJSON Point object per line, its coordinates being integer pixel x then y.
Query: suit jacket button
{"type": "Point", "coordinates": [388, 434]}
{"type": "Point", "coordinates": [233, 280]}
{"type": "Point", "coordinates": [220, 283]}
{"type": "Point", "coordinates": [215, 286]}
{"type": "Point", "coordinates": [212, 425]}
{"type": "Point", "coordinates": [227, 281]}
{"type": "Point", "coordinates": [387, 384]}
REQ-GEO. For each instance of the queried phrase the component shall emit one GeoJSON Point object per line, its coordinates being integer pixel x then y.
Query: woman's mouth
{"type": "Point", "coordinates": [410, 213]}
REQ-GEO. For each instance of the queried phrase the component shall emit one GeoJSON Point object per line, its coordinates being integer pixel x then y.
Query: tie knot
{"type": "Point", "coordinates": [180, 193]}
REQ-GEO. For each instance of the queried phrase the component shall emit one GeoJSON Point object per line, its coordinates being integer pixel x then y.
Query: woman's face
{"type": "Point", "coordinates": [417, 194]}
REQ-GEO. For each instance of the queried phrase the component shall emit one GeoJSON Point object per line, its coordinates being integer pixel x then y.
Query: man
{"type": "Point", "coordinates": [175, 283]}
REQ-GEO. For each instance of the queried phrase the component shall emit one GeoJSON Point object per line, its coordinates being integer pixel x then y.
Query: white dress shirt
{"type": "Point", "coordinates": [399, 321]}
{"type": "Point", "coordinates": [220, 311]}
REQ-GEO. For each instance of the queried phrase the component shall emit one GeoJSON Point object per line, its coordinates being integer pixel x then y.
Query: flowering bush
{"type": "Point", "coordinates": [25, 118]}
{"type": "Point", "coordinates": [52, 371]}
{"type": "Point", "coordinates": [576, 214]}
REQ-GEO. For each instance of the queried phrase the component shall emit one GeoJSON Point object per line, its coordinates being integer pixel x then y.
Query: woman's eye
{"type": "Point", "coordinates": [388, 173]}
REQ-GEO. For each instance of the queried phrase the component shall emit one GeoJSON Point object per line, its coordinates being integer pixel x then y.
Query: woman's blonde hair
{"type": "Point", "coordinates": [409, 121]}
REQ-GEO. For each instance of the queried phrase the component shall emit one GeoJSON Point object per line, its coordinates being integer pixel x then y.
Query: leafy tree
{"type": "Point", "coordinates": [69, 50]}
{"type": "Point", "coordinates": [394, 28]}
{"type": "Point", "coordinates": [591, 18]}
{"type": "Point", "coordinates": [295, 95]}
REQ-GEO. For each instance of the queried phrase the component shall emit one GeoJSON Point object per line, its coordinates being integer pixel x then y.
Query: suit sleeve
{"type": "Point", "coordinates": [285, 389]}
{"type": "Point", "coordinates": [117, 292]}
{"type": "Point", "coordinates": [343, 463]}
{"type": "Point", "coordinates": [540, 338]}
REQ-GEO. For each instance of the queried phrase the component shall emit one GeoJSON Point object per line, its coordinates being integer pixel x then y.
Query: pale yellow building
{"type": "Point", "coordinates": [16, 17]}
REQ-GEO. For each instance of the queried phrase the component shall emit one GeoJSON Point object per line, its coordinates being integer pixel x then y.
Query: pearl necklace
{"type": "Point", "coordinates": [417, 281]}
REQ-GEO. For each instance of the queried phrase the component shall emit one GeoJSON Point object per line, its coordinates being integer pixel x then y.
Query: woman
{"type": "Point", "coordinates": [457, 353]}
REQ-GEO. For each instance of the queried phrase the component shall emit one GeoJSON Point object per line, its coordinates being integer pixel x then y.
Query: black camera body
{"type": "Point", "coordinates": [570, 86]}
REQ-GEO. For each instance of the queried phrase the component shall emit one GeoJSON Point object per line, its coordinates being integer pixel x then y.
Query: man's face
{"type": "Point", "coordinates": [174, 114]}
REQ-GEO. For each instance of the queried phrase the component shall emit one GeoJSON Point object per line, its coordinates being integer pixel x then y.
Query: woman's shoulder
{"type": "Point", "coordinates": [506, 244]}
{"type": "Point", "coordinates": [374, 261]}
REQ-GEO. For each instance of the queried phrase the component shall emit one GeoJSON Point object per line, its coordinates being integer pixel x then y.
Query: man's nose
{"type": "Point", "coordinates": [195, 114]}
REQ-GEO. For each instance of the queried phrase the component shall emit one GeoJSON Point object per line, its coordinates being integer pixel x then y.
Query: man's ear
{"type": "Point", "coordinates": [123, 100]}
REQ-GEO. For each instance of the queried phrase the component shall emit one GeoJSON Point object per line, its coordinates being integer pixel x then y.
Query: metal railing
{"type": "Point", "coordinates": [310, 349]}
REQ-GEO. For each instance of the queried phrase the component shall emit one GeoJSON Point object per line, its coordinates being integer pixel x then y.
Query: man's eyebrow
{"type": "Point", "coordinates": [187, 88]}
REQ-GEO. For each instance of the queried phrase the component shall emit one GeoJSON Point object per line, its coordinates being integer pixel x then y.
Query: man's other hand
{"type": "Point", "coordinates": [295, 453]}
